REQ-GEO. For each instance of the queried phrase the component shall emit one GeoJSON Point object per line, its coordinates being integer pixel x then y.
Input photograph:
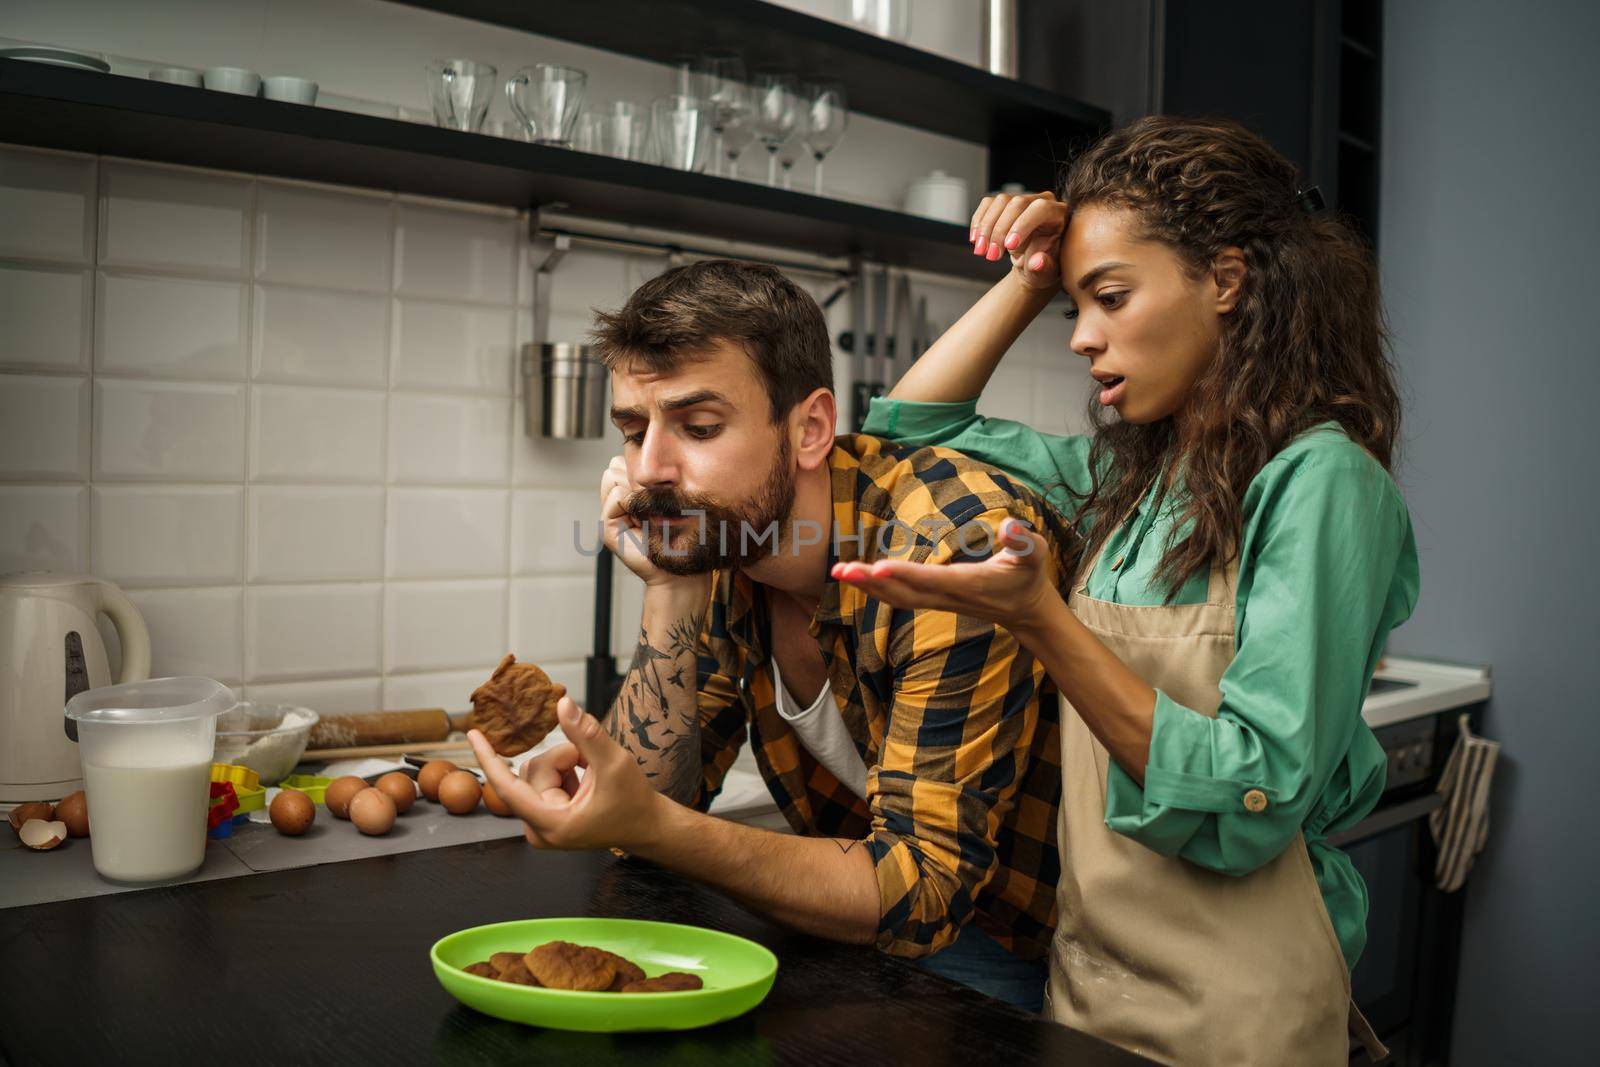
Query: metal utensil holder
{"type": "Point", "coordinates": [563, 385]}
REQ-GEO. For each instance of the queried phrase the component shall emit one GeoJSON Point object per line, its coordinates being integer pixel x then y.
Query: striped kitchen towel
{"type": "Point", "coordinates": [1461, 825]}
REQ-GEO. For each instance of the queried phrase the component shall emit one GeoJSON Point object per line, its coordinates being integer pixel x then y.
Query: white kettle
{"type": "Point", "coordinates": [50, 650]}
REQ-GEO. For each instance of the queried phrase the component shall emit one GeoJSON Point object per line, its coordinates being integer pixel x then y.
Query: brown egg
{"type": "Point", "coordinates": [428, 778]}
{"type": "Point", "coordinates": [459, 792]}
{"type": "Point", "coordinates": [492, 801]}
{"type": "Point", "coordinates": [401, 789]}
{"type": "Point", "coordinates": [73, 810]}
{"type": "Point", "coordinates": [339, 793]}
{"type": "Point", "coordinates": [372, 811]}
{"type": "Point", "coordinates": [292, 812]}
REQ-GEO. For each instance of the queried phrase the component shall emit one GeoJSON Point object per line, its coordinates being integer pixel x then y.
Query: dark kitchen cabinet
{"type": "Point", "coordinates": [1305, 74]}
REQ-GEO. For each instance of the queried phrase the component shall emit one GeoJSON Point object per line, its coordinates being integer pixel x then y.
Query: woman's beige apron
{"type": "Point", "coordinates": [1153, 953]}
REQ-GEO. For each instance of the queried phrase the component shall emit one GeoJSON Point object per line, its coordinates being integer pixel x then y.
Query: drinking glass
{"type": "Point", "coordinates": [737, 135]}
{"type": "Point", "coordinates": [459, 90]}
{"type": "Point", "coordinates": [617, 129]}
{"type": "Point", "coordinates": [777, 114]}
{"type": "Point", "coordinates": [547, 98]}
{"type": "Point", "coordinates": [679, 125]}
{"type": "Point", "coordinates": [826, 114]}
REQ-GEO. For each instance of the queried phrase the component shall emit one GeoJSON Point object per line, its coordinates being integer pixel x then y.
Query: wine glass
{"type": "Point", "coordinates": [777, 114]}
{"type": "Point", "coordinates": [737, 135]}
{"type": "Point", "coordinates": [827, 113]}
{"type": "Point", "coordinates": [788, 156]}
{"type": "Point", "coordinates": [722, 92]}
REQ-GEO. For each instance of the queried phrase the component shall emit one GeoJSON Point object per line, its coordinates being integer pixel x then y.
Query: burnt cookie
{"type": "Point", "coordinates": [483, 969]}
{"type": "Point", "coordinates": [563, 965]}
{"type": "Point", "coordinates": [516, 707]}
{"type": "Point", "coordinates": [627, 972]}
{"type": "Point", "coordinates": [671, 982]}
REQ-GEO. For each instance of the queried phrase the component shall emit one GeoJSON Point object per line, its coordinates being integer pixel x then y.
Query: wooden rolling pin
{"type": "Point", "coordinates": [384, 728]}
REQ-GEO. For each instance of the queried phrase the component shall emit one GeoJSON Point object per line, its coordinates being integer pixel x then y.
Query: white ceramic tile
{"type": "Point", "coordinates": [311, 630]}
{"type": "Point", "coordinates": [170, 327]}
{"type": "Point", "coordinates": [555, 530]}
{"type": "Point", "coordinates": [165, 217]}
{"type": "Point", "coordinates": [44, 528]}
{"type": "Point", "coordinates": [320, 237]}
{"type": "Point", "coordinates": [454, 346]}
{"type": "Point", "coordinates": [300, 533]}
{"type": "Point", "coordinates": [47, 205]}
{"type": "Point", "coordinates": [168, 431]}
{"type": "Point", "coordinates": [465, 255]}
{"type": "Point", "coordinates": [447, 533]}
{"type": "Point", "coordinates": [553, 618]}
{"type": "Point", "coordinates": [335, 696]}
{"type": "Point", "coordinates": [43, 420]}
{"type": "Point", "coordinates": [44, 318]}
{"type": "Point", "coordinates": [150, 535]}
{"type": "Point", "coordinates": [319, 435]}
{"type": "Point", "coordinates": [320, 337]}
{"type": "Point", "coordinates": [542, 461]}
{"type": "Point", "coordinates": [436, 626]}
{"type": "Point", "coordinates": [450, 690]}
{"type": "Point", "coordinates": [448, 439]}
{"type": "Point", "coordinates": [194, 631]}
{"type": "Point", "coordinates": [572, 673]}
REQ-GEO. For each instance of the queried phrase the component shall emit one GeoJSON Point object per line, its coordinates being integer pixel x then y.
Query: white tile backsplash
{"type": "Point", "coordinates": [307, 533]}
{"type": "Point", "coordinates": [168, 535]}
{"type": "Point", "coordinates": [44, 422]}
{"type": "Point", "coordinates": [435, 626]}
{"type": "Point", "coordinates": [316, 435]}
{"type": "Point", "coordinates": [447, 533]}
{"type": "Point", "coordinates": [44, 318]}
{"type": "Point", "coordinates": [327, 630]}
{"type": "Point", "coordinates": [450, 690]}
{"type": "Point", "coordinates": [448, 439]}
{"type": "Point", "coordinates": [169, 327]}
{"type": "Point", "coordinates": [313, 236]}
{"type": "Point", "coordinates": [459, 254]}
{"type": "Point", "coordinates": [555, 531]}
{"type": "Point", "coordinates": [194, 631]}
{"type": "Point", "coordinates": [44, 528]}
{"type": "Point", "coordinates": [47, 205]}
{"type": "Point", "coordinates": [168, 431]}
{"type": "Point", "coordinates": [166, 217]}
{"type": "Point", "coordinates": [320, 337]}
{"type": "Point", "coordinates": [553, 618]}
{"type": "Point", "coordinates": [454, 346]}
{"type": "Point", "coordinates": [333, 696]}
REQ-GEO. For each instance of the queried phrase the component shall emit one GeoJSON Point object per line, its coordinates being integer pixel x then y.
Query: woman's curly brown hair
{"type": "Point", "coordinates": [1306, 343]}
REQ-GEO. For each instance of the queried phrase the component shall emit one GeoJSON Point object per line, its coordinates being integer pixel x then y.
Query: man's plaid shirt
{"type": "Point", "coordinates": [956, 723]}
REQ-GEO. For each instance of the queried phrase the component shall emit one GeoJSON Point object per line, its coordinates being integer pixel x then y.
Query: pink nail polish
{"type": "Point", "coordinates": [981, 243]}
{"type": "Point", "coordinates": [1013, 240]}
{"type": "Point", "coordinates": [1037, 262]}
{"type": "Point", "coordinates": [994, 253]}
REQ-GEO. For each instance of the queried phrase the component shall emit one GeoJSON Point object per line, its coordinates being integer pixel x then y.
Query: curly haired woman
{"type": "Point", "coordinates": [1245, 554]}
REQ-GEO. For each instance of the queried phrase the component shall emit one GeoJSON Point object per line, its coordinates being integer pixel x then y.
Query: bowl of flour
{"type": "Point", "coordinates": [267, 738]}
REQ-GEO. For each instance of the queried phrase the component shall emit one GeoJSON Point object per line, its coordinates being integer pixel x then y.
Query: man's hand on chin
{"type": "Point", "coordinates": [611, 804]}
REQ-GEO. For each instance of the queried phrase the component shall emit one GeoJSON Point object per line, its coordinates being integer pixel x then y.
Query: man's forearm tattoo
{"type": "Point", "coordinates": [664, 739]}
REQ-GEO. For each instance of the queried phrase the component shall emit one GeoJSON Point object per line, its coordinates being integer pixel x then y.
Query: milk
{"type": "Point", "coordinates": [147, 823]}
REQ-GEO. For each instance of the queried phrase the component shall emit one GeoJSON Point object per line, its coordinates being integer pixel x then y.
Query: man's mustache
{"type": "Point", "coordinates": [646, 504]}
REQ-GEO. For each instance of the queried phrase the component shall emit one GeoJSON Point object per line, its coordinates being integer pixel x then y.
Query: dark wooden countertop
{"type": "Point", "coordinates": [329, 964]}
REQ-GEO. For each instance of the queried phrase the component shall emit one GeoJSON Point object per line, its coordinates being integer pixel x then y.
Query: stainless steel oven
{"type": "Point", "coordinates": [1405, 980]}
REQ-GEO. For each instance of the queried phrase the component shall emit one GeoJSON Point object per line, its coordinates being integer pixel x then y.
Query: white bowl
{"type": "Point", "coordinates": [267, 738]}
{"type": "Point", "coordinates": [290, 90]}
{"type": "Point", "coordinates": [177, 76]}
{"type": "Point", "coordinates": [233, 80]}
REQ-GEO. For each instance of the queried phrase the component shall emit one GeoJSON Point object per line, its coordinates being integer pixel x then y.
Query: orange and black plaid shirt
{"type": "Point", "coordinates": [956, 722]}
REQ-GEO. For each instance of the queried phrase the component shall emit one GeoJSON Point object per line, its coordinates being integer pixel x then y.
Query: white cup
{"type": "Point", "coordinates": [290, 90]}
{"type": "Point", "coordinates": [939, 196]}
{"type": "Point", "coordinates": [233, 80]}
{"type": "Point", "coordinates": [176, 76]}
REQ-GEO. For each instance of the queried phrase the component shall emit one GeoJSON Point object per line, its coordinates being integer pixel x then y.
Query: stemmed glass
{"type": "Point", "coordinates": [777, 114]}
{"type": "Point", "coordinates": [826, 116]}
{"type": "Point", "coordinates": [788, 156]}
{"type": "Point", "coordinates": [737, 135]}
{"type": "Point", "coordinates": [723, 93]}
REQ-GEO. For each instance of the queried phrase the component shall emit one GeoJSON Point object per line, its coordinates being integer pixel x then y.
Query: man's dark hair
{"type": "Point", "coordinates": [680, 314]}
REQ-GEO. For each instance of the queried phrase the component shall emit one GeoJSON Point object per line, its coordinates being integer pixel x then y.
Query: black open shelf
{"type": "Point", "coordinates": [59, 107]}
{"type": "Point", "coordinates": [883, 78]}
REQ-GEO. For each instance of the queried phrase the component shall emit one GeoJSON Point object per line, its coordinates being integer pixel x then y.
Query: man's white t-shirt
{"type": "Point", "coordinates": [821, 730]}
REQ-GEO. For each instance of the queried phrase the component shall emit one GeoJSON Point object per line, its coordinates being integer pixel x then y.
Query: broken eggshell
{"type": "Point", "coordinates": [42, 835]}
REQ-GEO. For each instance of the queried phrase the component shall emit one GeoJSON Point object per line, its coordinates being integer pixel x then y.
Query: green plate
{"type": "Point", "coordinates": [737, 974]}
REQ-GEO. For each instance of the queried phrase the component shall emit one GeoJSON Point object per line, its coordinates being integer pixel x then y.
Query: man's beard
{"type": "Point", "coordinates": [716, 535]}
